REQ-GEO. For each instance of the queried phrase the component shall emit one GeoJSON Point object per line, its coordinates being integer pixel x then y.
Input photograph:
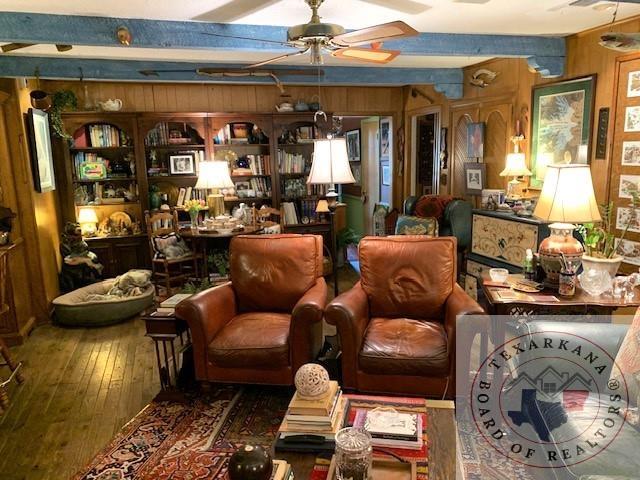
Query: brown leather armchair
{"type": "Point", "coordinates": [267, 322]}
{"type": "Point", "coordinates": [397, 326]}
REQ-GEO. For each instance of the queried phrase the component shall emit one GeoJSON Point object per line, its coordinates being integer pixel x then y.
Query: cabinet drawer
{"type": "Point", "coordinates": [503, 240]}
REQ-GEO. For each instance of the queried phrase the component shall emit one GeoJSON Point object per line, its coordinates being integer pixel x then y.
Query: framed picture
{"type": "Point", "coordinates": [182, 164]}
{"type": "Point", "coordinates": [631, 153]}
{"type": "Point", "coordinates": [475, 140]}
{"type": "Point", "coordinates": [353, 145]}
{"type": "Point", "coordinates": [632, 119]}
{"type": "Point", "coordinates": [629, 184]}
{"type": "Point", "coordinates": [357, 173]}
{"type": "Point", "coordinates": [474, 178]}
{"type": "Point", "coordinates": [630, 250]}
{"type": "Point", "coordinates": [386, 174]}
{"type": "Point", "coordinates": [385, 139]}
{"type": "Point", "coordinates": [40, 147]}
{"type": "Point", "coordinates": [561, 123]}
{"type": "Point", "coordinates": [626, 216]}
{"type": "Point", "coordinates": [633, 88]}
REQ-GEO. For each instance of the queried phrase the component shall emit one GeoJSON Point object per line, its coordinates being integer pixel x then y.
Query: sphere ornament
{"type": "Point", "coordinates": [312, 381]}
{"type": "Point", "coordinates": [250, 462]}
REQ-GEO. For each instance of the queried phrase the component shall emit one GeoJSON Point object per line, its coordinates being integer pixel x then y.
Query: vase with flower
{"type": "Point", "coordinates": [193, 207]}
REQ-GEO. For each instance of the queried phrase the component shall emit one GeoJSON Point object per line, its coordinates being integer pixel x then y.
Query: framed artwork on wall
{"type": "Point", "coordinates": [385, 139]}
{"type": "Point", "coordinates": [183, 164]}
{"type": "Point", "coordinates": [631, 154]}
{"type": "Point", "coordinates": [633, 87]}
{"type": "Point", "coordinates": [353, 145]}
{"type": "Point", "coordinates": [40, 147]}
{"type": "Point", "coordinates": [474, 178]}
{"type": "Point", "coordinates": [562, 115]}
{"type": "Point", "coordinates": [475, 140]}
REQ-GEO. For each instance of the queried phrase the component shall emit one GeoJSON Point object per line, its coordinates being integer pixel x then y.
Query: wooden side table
{"type": "Point", "coordinates": [164, 330]}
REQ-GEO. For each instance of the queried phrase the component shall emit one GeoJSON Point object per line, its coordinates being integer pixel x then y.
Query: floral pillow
{"type": "Point", "coordinates": [628, 361]}
{"type": "Point", "coordinates": [169, 246]}
{"type": "Point", "coordinates": [408, 225]}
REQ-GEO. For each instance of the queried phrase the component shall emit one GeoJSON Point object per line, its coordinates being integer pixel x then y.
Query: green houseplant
{"type": "Point", "coordinates": [601, 249]}
{"type": "Point", "coordinates": [62, 100]}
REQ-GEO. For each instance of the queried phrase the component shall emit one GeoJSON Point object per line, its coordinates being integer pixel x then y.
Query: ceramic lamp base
{"type": "Point", "coordinates": [215, 203]}
{"type": "Point", "coordinates": [559, 244]}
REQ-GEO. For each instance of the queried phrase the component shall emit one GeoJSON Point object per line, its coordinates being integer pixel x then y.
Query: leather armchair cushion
{"type": "Point", "coordinates": [272, 272]}
{"type": "Point", "coordinates": [403, 346]}
{"type": "Point", "coordinates": [407, 276]}
{"type": "Point", "coordinates": [253, 340]}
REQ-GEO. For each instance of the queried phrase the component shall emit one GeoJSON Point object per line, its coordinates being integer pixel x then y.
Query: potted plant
{"type": "Point", "coordinates": [346, 237]}
{"type": "Point", "coordinates": [601, 250]}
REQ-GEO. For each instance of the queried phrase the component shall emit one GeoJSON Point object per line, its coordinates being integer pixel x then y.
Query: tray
{"type": "Point", "coordinates": [384, 470]}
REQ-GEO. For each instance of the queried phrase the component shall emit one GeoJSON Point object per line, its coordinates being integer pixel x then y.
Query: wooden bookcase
{"type": "Point", "coordinates": [153, 138]}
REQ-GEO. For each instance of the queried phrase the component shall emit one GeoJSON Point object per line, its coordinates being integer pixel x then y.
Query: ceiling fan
{"type": "Point", "coordinates": [316, 37]}
{"type": "Point", "coordinates": [10, 47]}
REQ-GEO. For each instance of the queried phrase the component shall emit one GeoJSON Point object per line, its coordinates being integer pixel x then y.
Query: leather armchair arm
{"type": "Point", "coordinates": [349, 312]}
{"type": "Point", "coordinates": [306, 325]}
{"type": "Point", "coordinates": [206, 313]}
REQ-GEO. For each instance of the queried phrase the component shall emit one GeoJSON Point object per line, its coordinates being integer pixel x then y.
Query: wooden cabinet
{"type": "Point", "coordinates": [120, 254]}
{"type": "Point", "coordinates": [500, 240]}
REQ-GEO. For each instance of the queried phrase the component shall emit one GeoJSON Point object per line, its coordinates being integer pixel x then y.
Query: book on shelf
{"type": "Point", "coordinates": [281, 470]}
{"type": "Point", "coordinates": [293, 162]}
{"type": "Point", "coordinates": [290, 214]}
{"type": "Point", "coordinates": [101, 135]}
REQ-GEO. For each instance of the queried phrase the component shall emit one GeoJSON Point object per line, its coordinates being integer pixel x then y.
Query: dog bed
{"type": "Point", "coordinates": [73, 309]}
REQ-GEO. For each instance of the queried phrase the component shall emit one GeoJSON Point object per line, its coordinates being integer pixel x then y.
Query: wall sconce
{"type": "Point", "coordinates": [124, 36]}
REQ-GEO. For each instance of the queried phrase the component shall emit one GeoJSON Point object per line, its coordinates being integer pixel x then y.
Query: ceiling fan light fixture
{"type": "Point", "coordinates": [316, 54]}
{"type": "Point", "coordinates": [378, 33]}
{"type": "Point", "coordinates": [367, 54]}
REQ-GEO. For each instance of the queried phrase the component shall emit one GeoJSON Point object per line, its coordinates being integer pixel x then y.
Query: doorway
{"type": "Point", "coordinates": [425, 163]}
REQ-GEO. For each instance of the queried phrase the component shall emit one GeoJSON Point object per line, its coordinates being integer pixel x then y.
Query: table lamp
{"type": "Point", "coordinates": [567, 197]}
{"type": "Point", "coordinates": [88, 220]}
{"type": "Point", "coordinates": [516, 167]}
{"type": "Point", "coordinates": [331, 167]}
{"type": "Point", "coordinates": [214, 176]}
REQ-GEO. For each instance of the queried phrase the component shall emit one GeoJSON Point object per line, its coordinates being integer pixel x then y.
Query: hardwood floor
{"type": "Point", "coordinates": [82, 386]}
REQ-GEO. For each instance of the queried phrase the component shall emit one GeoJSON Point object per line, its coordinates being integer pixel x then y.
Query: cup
{"type": "Point", "coordinates": [567, 285]}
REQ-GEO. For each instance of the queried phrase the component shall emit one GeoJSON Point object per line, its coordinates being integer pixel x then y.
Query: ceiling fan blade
{"type": "Point", "coordinates": [368, 55]}
{"type": "Point", "coordinates": [64, 48]}
{"type": "Point", "coordinates": [233, 10]}
{"type": "Point", "coordinates": [377, 33]}
{"type": "Point", "coordinates": [275, 59]}
{"type": "Point", "coordinates": [404, 6]}
{"type": "Point", "coordinates": [245, 38]}
{"type": "Point", "coordinates": [10, 47]}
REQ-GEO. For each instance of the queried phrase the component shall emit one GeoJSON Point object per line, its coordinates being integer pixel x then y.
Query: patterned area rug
{"type": "Point", "coordinates": [193, 440]}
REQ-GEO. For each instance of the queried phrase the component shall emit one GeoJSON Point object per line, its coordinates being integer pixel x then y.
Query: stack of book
{"type": "Point", "coordinates": [391, 429]}
{"type": "Point", "coordinates": [311, 425]}
{"type": "Point", "coordinates": [168, 307]}
{"type": "Point", "coordinates": [281, 470]}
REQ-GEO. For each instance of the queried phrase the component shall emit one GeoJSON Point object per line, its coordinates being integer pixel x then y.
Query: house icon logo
{"type": "Point", "coordinates": [547, 401]}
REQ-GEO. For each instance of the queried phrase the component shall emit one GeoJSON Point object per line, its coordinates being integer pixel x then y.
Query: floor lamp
{"type": "Point", "coordinates": [331, 167]}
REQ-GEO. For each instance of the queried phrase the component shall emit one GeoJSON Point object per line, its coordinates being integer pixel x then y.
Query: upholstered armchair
{"type": "Point", "coordinates": [265, 323]}
{"type": "Point", "coordinates": [397, 326]}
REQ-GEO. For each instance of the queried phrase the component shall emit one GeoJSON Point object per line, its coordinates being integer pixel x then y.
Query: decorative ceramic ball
{"type": "Point", "coordinates": [250, 463]}
{"type": "Point", "coordinates": [312, 380]}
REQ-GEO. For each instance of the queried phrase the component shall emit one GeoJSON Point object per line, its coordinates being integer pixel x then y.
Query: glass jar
{"type": "Point", "coordinates": [354, 454]}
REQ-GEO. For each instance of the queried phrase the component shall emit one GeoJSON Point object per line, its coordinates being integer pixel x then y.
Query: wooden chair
{"type": "Point", "coordinates": [270, 219]}
{"type": "Point", "coordinates": [169, 272]}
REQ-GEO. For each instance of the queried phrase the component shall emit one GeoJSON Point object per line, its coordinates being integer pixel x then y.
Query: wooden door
{"type": "Point", "coordinates": [460, 120]}
{"type": "Point", "coordinates": [497, 141]}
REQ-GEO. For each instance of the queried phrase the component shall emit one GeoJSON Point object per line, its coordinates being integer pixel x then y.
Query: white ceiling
{"type": "Point", "coordinates": [535, 17]}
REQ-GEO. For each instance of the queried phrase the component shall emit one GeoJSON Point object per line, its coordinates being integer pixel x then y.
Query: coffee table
{"type": "Point", "coordinates": [441, 432]}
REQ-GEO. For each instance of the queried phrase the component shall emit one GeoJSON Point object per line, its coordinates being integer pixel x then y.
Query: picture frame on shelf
{"type": "Point", "coordinates": [562, 119]}
{"type": "Point", "coordinates": [353, 145]}
{"type": "Point", "coordinates": [182, 164]}
{"type": "Point", "coordinates": [386, 174]}
{"type": "Point", "coordinates": [41, 152]}
{"type": "Point", "coordinates": [475, 140]}
{"type": "Point", "coordinates": [474, 178]}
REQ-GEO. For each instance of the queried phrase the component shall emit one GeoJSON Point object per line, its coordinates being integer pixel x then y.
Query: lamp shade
{"type": "Point", "coordinates": [214, 175]}
{"type": "Point", "coordinates": [87, 215]}
{"type": "Point", "coordinates": [516, 166]}
{"type": "Point", "coordinates": [330, 163]}
{"type": "Point", "coordinates": [542, 162]}
{"type": "Point", "coordinates": [322, 207]}
{"type": "Point", "coordinates": [567, 195]}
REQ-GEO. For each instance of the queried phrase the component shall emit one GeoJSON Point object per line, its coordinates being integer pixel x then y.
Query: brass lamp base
{"type": "Point", "coordinates": [215, 202]}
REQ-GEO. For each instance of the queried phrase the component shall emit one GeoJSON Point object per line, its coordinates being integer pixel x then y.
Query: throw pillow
{"type": "Point", "coordinates": [432, 206]}
{"type": "Point", "coordinates": [169, 246]}
{"type": "Point", "coordinates": [408, 225]}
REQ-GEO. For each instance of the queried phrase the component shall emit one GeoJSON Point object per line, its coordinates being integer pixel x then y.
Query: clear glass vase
{"type": "Point", "coordinates": [354, 454]}
{"type": "Point", "coordinates": [193, 215]}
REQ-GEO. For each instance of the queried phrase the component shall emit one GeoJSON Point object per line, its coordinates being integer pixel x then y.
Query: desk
{"type": "Point", "coordinates": [202, 238]}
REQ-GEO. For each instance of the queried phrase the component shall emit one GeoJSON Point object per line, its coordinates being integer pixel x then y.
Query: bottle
{"type": "Point", "coordinates": [528, 269]}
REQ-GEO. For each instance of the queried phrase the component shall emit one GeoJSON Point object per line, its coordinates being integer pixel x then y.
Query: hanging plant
{"type": "Point", "coordinates": [62, 100]}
